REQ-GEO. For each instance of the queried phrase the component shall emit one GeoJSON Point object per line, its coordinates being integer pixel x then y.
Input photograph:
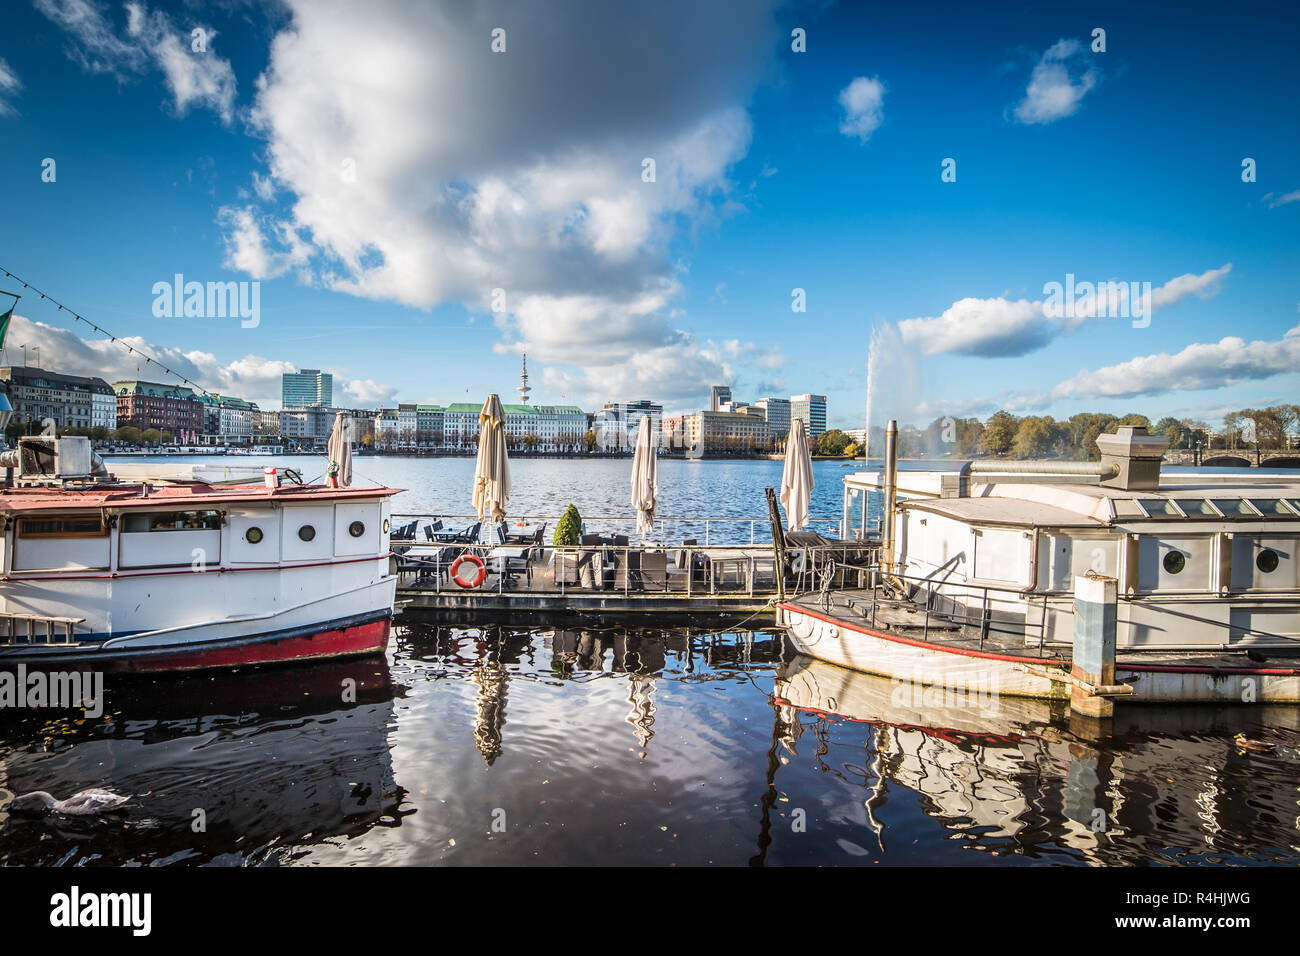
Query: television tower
{"type": "Point", "coordinates": [523, 383]}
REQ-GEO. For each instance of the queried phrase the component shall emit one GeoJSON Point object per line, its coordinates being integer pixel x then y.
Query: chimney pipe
{"type": "Point", "coordinates": [890, 494]}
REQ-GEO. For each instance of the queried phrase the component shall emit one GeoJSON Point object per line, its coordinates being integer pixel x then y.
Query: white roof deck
{"type": "Point", "coordinates": [1024, 499]}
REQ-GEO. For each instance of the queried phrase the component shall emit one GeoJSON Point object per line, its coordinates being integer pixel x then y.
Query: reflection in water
{"type": "Point", "coordinates": [598, 745]}
{"type": "Point", "coordinates": [249, 767]}
{"type": "Point", "coordinates": [1017, 776]}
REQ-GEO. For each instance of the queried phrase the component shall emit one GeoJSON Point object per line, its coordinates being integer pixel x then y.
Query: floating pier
{"type": "Point", "coordinates": [444, 571]}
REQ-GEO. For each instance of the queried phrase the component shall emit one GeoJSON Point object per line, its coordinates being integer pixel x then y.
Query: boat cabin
{"type": "Point", "coordinates": [1203, 561]}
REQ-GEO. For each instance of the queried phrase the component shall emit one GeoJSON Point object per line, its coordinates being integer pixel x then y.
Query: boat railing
{"type": "Point", "coordinates": [644, 569]}
{"type": "Point", "coordinates": [956, 607]}
{"type": "Point", "coordinates": [712, 530]}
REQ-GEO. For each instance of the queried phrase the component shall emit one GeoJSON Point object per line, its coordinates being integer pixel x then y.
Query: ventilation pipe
{"type": "Point", "coordinates": [890, 494]}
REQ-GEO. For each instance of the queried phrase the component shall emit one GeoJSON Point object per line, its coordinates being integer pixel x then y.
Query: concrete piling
{"type": "Point", "coordinates": [1096, 600]}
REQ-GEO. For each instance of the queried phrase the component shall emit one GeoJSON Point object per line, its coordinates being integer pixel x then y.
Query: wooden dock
{"type": "Point", "coordinates": [628, 583]}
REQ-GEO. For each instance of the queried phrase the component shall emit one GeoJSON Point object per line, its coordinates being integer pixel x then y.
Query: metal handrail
{"type": "Point", "coordinates": [660, 521]}
{"type": "Point", "coordinates": [985, 619]}
{"type": "Point", "coordinates": [710, 564]}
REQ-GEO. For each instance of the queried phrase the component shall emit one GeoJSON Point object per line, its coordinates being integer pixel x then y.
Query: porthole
{"type": "Point", "coordinates": [253, 535]}
{"type": "Point", "coordinates": [356, 529]}
{"type": "Point", "coordinates": [385, 526]}
{"type": "Point", "coordinates": [306, 532]}
{"type": "Point", "coordinates": [1267, 561]}
{"type": "Point", "coordinates": [1175, 561]}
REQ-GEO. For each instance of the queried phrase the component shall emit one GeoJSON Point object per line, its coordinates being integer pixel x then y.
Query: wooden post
{"type": "Point", "coordinates": [778, 542]}
{"type": "Point", "coordinates": [1096, 600]}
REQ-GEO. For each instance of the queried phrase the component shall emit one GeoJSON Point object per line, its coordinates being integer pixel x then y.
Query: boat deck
{"type": "Point", "coordinates": [651, 580]}
{"type": "Point", "coordinates": [1004, 636]}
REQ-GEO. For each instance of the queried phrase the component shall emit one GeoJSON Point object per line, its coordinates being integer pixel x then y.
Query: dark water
{"type": "Point", "coordinates": [607, 746]}
{"type": "Point", "coordinates": [657, 747]}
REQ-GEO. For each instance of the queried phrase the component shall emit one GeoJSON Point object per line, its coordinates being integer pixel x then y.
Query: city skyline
{"type": "Point", "coordinates": [929, 208]}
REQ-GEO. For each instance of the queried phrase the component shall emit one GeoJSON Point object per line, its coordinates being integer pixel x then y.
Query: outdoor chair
{"type": "Point", "coordinates": [428, 568]}
{"type": "Point", "coordinates": [698, 560]}
{"type": "Point", "coordinates": [431, 529]}
{"type": "Point", "coordinates": [627, 570]}
{"type": "Point", "coordinates": [568, 566]}
{"type": "Point", "coordinates": [658, 575]}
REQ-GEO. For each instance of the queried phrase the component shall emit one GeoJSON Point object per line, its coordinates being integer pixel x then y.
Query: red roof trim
{"type": "Point", "coordinates": [21, 500]}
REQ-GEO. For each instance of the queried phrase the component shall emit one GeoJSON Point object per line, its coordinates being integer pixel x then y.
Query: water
{"type": "Point", "coordinates": [685, 746]}
{"type": "Point", "coordinates": [657, 747]}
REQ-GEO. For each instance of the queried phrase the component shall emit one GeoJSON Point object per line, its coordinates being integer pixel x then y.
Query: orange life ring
{"type": "Point", "coordinates": [472, 559]}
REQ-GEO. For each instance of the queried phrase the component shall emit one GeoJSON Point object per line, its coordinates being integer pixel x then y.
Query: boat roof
{"type": "Point", "coordinates": [196, 495]}
{"type": "Point", "coordinates": [1004, 511]}
{"type": "Point", "coordinates": [1026, 499]}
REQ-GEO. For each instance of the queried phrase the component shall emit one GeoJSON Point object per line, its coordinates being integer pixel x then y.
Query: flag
{"type": "Point", "coordinates": [4, 323]}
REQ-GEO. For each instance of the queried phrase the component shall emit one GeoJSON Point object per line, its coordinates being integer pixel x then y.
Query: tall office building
{"type": "Point", "coordinates": [719, 395]}
{"type": "Point", "coordinates": [812, 409]}
{"type": "Point", "coordinates": [777, 411]}
{"type": "Point", "coordinates": [306, 387]}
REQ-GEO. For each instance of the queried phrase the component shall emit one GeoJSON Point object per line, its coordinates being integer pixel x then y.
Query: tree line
{"type": "Point", "coordinates": [1005, 435]}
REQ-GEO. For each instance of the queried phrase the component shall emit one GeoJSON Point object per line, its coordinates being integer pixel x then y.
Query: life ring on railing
{"type": "Point", "coordinates": [473, 559]}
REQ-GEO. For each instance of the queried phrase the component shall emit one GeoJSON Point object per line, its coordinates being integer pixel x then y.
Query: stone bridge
{"type": "Point", "coordinates": [1235, 457]}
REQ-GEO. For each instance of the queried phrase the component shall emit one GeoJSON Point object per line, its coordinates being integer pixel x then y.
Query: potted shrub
{"type": "Point", "coordinates": [568, 533]}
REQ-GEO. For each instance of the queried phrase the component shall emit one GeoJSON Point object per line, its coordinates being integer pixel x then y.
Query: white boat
{"type": "Point", "coordinates": [184, 572]}
{"type": "Point", "coordinates": [974, 587]}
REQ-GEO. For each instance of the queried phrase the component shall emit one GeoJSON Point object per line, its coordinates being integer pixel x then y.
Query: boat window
{"type": "Point", "coordinates": [1175, 561]}
{"type": "Point", "coordinates": [1234, 507]}
{"type": "Point", "coordinates": [1195, 507]}
{"type": "Point", "coordinates": [65, 527]}
{"type": "Point", "coordinates": [1269, 506]}
{"type": "Point", "coordinates": [1267, 561]}
{"type": "Point", "coordinates": [356, 529]}
{"type": "Point", "coordinates": [253, 535]}
{"type": "Point", "coordinates": [172, 521]}
{"type": "Point", "coordinates": [306, 532]}
{"type": "Point", "coordinates": [1159, 508]}
{"type": "Point", "coordinates": [1294, 504]}
{"type": "Point", "coordinates": [1128, 508]}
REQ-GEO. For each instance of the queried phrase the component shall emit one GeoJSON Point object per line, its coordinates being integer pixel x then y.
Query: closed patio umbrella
{"type": "Point", "coordinates": [492, 471]}
{"type": "Point", "coordinates": [340, 452]}
{"type": "Point", "coordinates": [796, 477]}
{"type": "Point", "coordinates": [645, 477]}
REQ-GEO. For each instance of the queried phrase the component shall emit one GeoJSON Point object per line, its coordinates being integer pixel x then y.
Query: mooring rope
{"type": "Point", "coordinates": [132, 350]}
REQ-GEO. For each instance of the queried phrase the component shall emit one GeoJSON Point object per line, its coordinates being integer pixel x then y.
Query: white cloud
{"type": "Point", "coordinates": [1000, 327]}
{"type": "Point", "coordinates": [863, 101]}
{"type": "Point", "coordinates": [432, 170]}
{"type": "Point", "coordinates": [679, 370]}
{"type": "Point", "coordinates": [1199, 366]}
{"type": "Point", "coordinates": [1053, 93]}
{"type": "Point", "coordinates": [368, 393]}
{"type": "Point", "coordinates": [253, 377]}
{"type": "Point", "coordinates": [247, 248]}
{"type": "Point", "coordinates": [1203, 286]}
{"type": "Point", "coordinates": [195, 78]}
{"type": "Point", "coordinates": [9, 85]}
{"type": "Point", "coordinates": [1273, 203]}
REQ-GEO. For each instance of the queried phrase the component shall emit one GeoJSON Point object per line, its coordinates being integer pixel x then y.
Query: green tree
{"type": "Point", "coordinates": [1172, 429]}
{"type": "Point", "coordinates": [128, 434]}
{"type": "Point", "coordinates": [1035, 437]}
{"type": "Point", "coordinates": [831, 442]}
{"type": "Point", "coordinates": [1000, 433]}
{"type": "Point", "coordinates": [151, 436]}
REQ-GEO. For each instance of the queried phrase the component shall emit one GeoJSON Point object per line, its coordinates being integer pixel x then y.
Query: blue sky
{"type": "Point", "coordinates": [515, 179]}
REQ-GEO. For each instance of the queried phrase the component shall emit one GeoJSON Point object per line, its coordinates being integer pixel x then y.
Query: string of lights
{"type": "Point", "coordinates": [77, 317]}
